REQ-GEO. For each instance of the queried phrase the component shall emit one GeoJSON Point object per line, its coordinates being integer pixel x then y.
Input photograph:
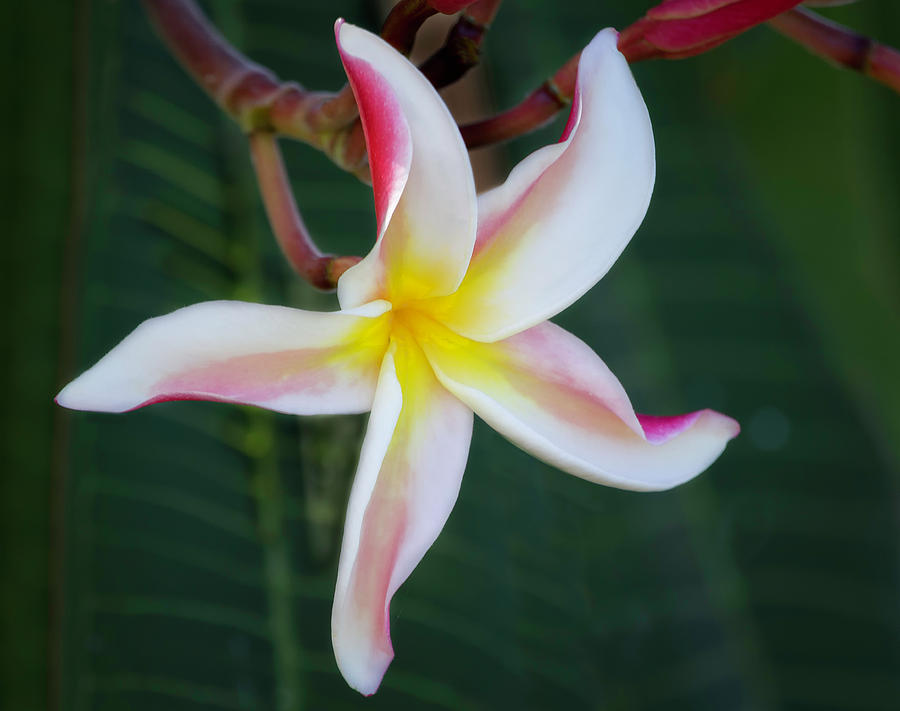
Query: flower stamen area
{"type": "Point", "coordinates": [414, 324]}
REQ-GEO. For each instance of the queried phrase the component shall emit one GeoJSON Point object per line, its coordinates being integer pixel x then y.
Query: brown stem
{"type": "Point", "coordinates": [251, 94]}
{"type": "Point", "coordinates": [320, 270]}
{"type": "Point", "coordinates": [403, 22]}
{"type": "Point", "coordinates": [220, 69]}
{"type": "Point", "coordinates": [262, 105]}
{"type": "Point", "coordinates": [462, 48]}
{"type": "Point", "coordinates": [841, 45]}
{"type": "Point", "coordinates": [537, 109]}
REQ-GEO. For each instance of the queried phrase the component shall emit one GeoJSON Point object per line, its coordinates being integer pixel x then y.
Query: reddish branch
{"type": "Point", "coordinates": [663, 33]}
{"type": "Point", "coordinates": [253, 95]}
{"type": "Point", "coordinates": [537, 109]}
{"type": "Point", "coordinates": [211, 60]}
{"type": "Point", "coordinates": [449, 7]}
{"type": "Point", "coordinates": [676, 29]}
{"type": "Point", "coordinates": [320, 270]}
{"type": "Point", "coordinates": [265, 106]}
{"type": "Point", "coordinates": [671, 30]}
{"type": "Point", "coordinates": [462, 48]}
{"type": "Point", "coordinates": [403, 22]}
{"type": "Point", "coordinates": [841, 45]}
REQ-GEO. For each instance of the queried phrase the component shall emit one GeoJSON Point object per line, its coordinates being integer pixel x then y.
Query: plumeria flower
{"type": "Point", "coordinates": [446, 315]}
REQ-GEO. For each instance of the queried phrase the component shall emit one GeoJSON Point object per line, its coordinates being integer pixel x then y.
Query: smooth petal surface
{"type": "Point", "coordinates": [424, 191]}
{"type": "Point", "coordinates": [565, 213]}
{"type": "Point", "coordinates": [284, 359]}
{"type": "Point", "coordinates": [551, 395]}
{"type": "Point", "coordinates": [410, 470]}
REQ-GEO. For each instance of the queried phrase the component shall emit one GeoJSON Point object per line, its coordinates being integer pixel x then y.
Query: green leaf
{"type": "Point", "coordinates": [201, 539]}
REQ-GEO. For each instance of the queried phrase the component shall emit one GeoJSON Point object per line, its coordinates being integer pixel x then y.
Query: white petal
{"type": "Point", "coordinates": [284, 359]}
{"type": "Point", "coordinates": [412, 462]}
{"type": "Point", "coordinates": [565, 213]}
{"type": "Point", "coordinates": [551, 395]}
{"type": "Point", "coordinates": [424, 190]}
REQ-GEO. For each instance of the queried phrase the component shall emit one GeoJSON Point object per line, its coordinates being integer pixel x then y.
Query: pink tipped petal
{"type": "Point", "coordinates": [566, 212]}
{"type": "Point", "coordinates": [408, 479]}
{"type": "Point", "coordinates": [388, 138]}
{"type": "Point", "coordinates": [659, 429]}
{"type": "Point", "coordinates": [424, 190]}
{"type": "Point", "coordinates": [283, 359]}
{"type": "Point", "coordinates": [552, 396]}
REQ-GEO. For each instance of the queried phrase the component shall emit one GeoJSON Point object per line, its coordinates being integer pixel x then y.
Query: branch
{"type": "Point", "coordinates": [449, 7]}
{"type": "Point", "coordinates": [841, 45]}
{"type": "Point", "coordinates": [252, 95]}
{"type": "Point", "coordinates": [403, 22]}
{"type": "Point", "coordinates": [537, 109]}
{"type": "Point", "coordinates": [674, 29]}
{"type": "Point", "coordinates": [462, 48]}
{"type": "Point", "coordinates": [320, 270]}
{"type": "Point", "coordinates": [255, 98]}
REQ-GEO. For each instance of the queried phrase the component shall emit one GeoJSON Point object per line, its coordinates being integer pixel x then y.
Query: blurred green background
{"type": "Point", "coordinates": [183, 557]}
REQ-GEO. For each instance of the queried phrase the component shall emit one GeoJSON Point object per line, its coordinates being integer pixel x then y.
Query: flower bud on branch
{"type": "Point", "coordinates": [671, 30]}
{"type": "Point", "coordinates": [682, 28]}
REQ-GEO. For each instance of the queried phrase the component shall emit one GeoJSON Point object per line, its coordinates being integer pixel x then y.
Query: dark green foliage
{"type": "Point", "coordinates": [201, 539]}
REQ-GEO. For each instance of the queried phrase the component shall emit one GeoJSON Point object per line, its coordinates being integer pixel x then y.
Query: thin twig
{"type": "Point", "coordinates": [676, 29]}
{"type": "Point", "coordinates": [320, 270]}
{"type": "Point", "coordinates": [263, 105]}
{"type": "Point", "coordinates": [537, 109]}
{"type": "Point", "coordinates": [462, 48]}
{"type": "Point", "coordinates": [403, 22]}
{"type": "Point", "coordinates": [841, 45]}
{"type": "Point", "coordinates": [655, 35]}
{"type": "Point", "coordinates": [251, 94]}
{"type": "Point", "coordinates": [449, 7]}
{"type": "Point", "coordinates": [226, 75]}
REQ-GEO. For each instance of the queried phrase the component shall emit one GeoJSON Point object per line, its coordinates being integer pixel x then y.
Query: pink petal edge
{"type": "Point", "coordinates": [388, 138]}
{"type": "Point", "coordinates": [661, 428]}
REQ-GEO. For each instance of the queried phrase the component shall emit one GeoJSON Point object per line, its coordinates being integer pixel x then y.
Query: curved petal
{"type": "Point", "coordinates": [424, 190]}
{"type": "Point", "coordinates": [551, 395]}
{"type": "Point", "coordinates": [293, 361]}
{"type": "Point", "coordinates": [565, 213]}
{"type": "Point", "coordinates": [408, 479]}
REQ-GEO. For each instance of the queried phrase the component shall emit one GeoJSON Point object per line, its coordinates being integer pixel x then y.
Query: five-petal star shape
{"type": "Point", "coordinates": [446, 315]}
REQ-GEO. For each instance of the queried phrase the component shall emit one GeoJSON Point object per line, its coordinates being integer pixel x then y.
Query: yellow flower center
{"type": "Point", "coordinates": [415, 324]}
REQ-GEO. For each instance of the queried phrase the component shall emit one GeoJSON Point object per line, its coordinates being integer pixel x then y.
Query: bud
{"type": "Point", "coordinates": [682, 28]}
{"type": "Point", "coordinates": [449, 7]}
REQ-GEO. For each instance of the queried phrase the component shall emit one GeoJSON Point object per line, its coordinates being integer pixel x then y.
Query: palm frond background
{"type": "Point", "coordinates": [193, 546]}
